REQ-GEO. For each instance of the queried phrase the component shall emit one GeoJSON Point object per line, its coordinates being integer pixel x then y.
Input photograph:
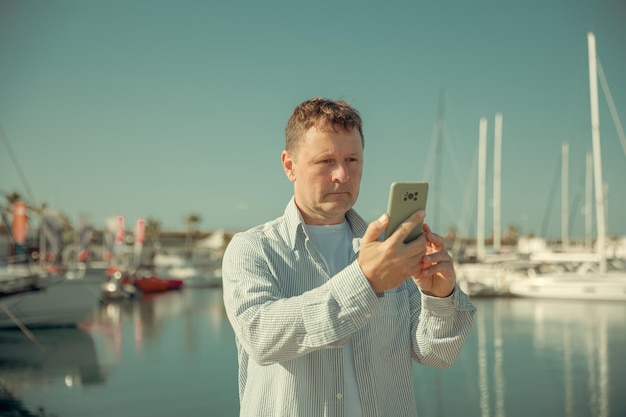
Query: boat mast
{"type": "Point", "coordinates": [588, 201]}
{"type": "Point", "coordinates": [564, 195]}
{"type": "Point", "coordinates": [597, 154]}
{"type": "Point", "coordinates": [482, 174]}
{"type": "Point", "coordinates": [497, 177]}
{"type": "Point", "coordinates": [438, 161]}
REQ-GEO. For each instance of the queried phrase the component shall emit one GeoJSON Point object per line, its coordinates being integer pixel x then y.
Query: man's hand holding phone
{"type": "Point", "coordinates": [387, 264]}
{"type": "Point", "coordinates": [409, 248]}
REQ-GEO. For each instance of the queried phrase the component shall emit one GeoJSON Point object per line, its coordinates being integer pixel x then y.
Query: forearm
{"type": "Point", "coordinates": [441, 328]}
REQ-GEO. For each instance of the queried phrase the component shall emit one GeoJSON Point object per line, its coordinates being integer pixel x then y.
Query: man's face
{"type": "Point", "coordinates": [326, 172]}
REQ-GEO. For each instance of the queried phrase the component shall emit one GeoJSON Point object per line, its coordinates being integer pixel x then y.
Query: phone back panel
{"type": "Point", "coordinates": [405, 198]}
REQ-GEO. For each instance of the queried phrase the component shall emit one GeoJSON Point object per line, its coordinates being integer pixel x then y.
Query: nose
{"type": "Point", "coordinates": [341, 173]}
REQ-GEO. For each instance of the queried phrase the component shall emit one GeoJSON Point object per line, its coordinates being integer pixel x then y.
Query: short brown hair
{"type": "Point", "coordinates": [334, 114]}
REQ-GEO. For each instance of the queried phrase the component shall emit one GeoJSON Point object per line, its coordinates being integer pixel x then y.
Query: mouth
{"type": "Point", "coordinates": [339, 194]}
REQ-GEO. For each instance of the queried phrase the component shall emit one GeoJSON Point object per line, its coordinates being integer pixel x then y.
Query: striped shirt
{"type": "Point", "coordinates": [291, 320]}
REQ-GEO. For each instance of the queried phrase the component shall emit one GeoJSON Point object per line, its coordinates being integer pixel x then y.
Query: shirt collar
{"type": "Point", "coordinates": [295, 223]}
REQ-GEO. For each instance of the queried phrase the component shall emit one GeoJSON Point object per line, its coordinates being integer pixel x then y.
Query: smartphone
{"type": "Point", "coordinates": [405, 198]}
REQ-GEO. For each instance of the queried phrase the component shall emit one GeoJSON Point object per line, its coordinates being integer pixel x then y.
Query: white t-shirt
{"type": "Point", "coordinates": [335, 243]}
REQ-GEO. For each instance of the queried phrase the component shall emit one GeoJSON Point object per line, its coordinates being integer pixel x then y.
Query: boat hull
{"type": "Point", "coordinates": [60, 302]}
{"type": "Point", "coordinates": [148, 285]}
{"type": "Point", "coordinates": [570, 287]}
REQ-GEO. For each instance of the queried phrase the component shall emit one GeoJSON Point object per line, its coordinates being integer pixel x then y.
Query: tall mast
{"type": "Point", "coordinates": [564, 195]}
{"type": "Point", "coordinates": [597, 153]}
{"type": "Point", "coordinates": [497, 176]}
{"type": "Point", "coordinates": [438, 161]}
{"type": "Point", "coordinates": [482, 175]}
{"type": "Point", "coordinates": [588, 200]}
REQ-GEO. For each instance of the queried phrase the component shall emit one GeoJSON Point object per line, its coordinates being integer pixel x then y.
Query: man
{"type": "Point", "coordinates": [328, 317]}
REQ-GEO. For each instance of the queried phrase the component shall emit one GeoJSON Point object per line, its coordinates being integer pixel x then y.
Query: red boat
{"type": "Point", "coordinates": [148, 285]}
{"type": "Point", "coordinates": [121, 285]}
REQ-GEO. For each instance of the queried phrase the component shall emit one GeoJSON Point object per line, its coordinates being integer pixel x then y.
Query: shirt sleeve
{"type": "Point", "coordinates": [439, 326]}
{"type": "Point", "coordinates": [272, 327]}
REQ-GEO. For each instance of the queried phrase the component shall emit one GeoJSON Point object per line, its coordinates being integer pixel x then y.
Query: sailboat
{"type": "Point", "coordinates": [32, 297]}
{"type": "Point", "coordinates": [486, 275]}
{"type": "Point", "coordinates": [595, 280]}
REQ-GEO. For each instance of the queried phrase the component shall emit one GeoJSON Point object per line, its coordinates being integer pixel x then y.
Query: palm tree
{"type": "Point", "coordinates": [511, 235]}
{"type": "Point", "coordinates": [191, 220]}
{"type": "Point", "coordinates": [13, 197]}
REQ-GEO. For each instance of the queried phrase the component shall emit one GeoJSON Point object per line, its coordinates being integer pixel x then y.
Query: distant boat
{"type": "Point", "coordinates": [56, 302]}
{"type": "Point", "coordinates": [149, 285]}
{"type": "Point", "coordinates": [33, 297]}
{"type": "Point", "coordinates": [15, 278]}
{"type": "Point", "coordinates": [122, 284]}
{"type": "Point", "coordinates": [176, 266]}
{"type": "Point", "coordinates": [484, 276]}
{"type": "Point", "coordinates": [590, 280]}
{"type": "Point", "coordinates": [586, 282]}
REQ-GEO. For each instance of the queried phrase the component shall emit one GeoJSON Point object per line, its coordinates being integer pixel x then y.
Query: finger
{"type": "Point", "coordinates": [434, 238]}
{"type": "Point", "coordinates": [408, 225]}
{"type": "Point", "coordinates": [431, 266]}
{"type": "Point", "coordinates": [436, 257]}
{"type": "Point", "coordinates": [444, 269]}
{"type": "Point", "coordinates": [375, 228]}
{"type": "Point", "coordinates": [418, 246]}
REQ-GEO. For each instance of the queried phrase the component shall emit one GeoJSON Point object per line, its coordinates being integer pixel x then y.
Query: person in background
{"type": "Point", "coordinates": [328, 318]}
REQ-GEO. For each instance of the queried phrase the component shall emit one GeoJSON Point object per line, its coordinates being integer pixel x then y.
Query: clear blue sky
{"type": "Point", "coordinates": [163, 108]}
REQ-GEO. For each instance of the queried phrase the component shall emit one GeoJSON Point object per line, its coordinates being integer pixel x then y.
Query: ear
{"type": "Point", "coordinates": [288, 166]}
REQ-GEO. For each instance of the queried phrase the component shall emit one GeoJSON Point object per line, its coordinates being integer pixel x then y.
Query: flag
{"type": "Point", "coordinates": [85, 233]}
{"type": "Point", "coordinates": [110, 234]}
{"type": "Point", "coordinates": [20, 228]}
{"type": "Point", "coordinates": [52, 228]}
{"type": "Point", "coordinates": [139, 234]}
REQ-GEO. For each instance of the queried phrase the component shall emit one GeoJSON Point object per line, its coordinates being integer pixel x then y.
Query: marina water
{"type": "Point", "coordinates": [174, 354]}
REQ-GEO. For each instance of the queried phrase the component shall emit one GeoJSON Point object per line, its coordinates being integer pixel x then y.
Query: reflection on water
{"type": "Point", "coordinates": [175, 353]}
{"type": "Point", "coordinates": [535, 357]}
{"type": "Point", "coordinates": [66, 355]}
{"type": "Point", "coordinates": [196, 310]}
{"type": "Point", "coordinates": [578, 334]}
{"type": "Point", "coordinates": [178, 342]}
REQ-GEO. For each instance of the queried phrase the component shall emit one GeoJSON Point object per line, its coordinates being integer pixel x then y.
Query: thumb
{"type": "Point", "coordinates": [375, 229]}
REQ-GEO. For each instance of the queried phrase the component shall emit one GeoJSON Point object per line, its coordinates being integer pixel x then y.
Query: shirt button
{"type": "Point", "coordinates": [339, 396]}
{"type": "Point", "coordinates": [368, 315]}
